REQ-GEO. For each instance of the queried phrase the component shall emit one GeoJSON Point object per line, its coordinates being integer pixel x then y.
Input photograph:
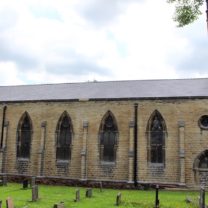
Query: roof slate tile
{"type": "Point", "coordinates": [167, 88]}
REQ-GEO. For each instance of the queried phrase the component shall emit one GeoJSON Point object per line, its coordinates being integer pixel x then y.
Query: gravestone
{"type": "Point", "coordinates": [4, 180]}
{"type": "Point", "coordinates": [9, 203]}
{"type": "Point", "coordinates": [25, 184]}
{"type": "Point", "coordinates": [89, 193]}
{"type": "Point", "coordinates": [118, 199]}
{"type": "Point", "coordinates": [32, 182]}
{"type": "Point", "coordinates": [101, 186]}
{"type": "Point", "coordinates": [77, 196]}
{"type": "Point", "coordinates": [188, 200]}
{"type": "Point", "coordinates": [60, 205]}
{"type": "Point", "coordinates": [157, 201]}
{"type": "Point", "coordinates": [35, 193]}
{"type": "Point", "coordinates": [202, 198]}
{"type": "Point", "coordinates": [203, 178]}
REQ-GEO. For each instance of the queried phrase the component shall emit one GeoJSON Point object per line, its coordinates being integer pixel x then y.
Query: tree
{"type": "Point", "coordinates": [187, 11]}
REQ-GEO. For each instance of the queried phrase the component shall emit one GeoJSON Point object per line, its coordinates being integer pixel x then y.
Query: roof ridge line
{"type": "Point", "coordinates": [85, 82]}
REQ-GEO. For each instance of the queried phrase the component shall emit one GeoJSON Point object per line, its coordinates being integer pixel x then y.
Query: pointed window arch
{"type": "Point", "coordinates": [24, 135]}
{"type": "Point", "coordinates": [64, 137]}
{"type": "Point", "coordinates": [200, 167]}
{"type": "Point", "coordinates": [157, 132]}
{"type": "Point", "coordinates": [108, 138]}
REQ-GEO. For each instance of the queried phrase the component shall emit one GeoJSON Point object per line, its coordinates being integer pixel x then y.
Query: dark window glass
{"type": "Point", "coordinates": [203, 122]}
{"type": "Point", "coordinates": [63, 150]}
{"type": "Point", "coordinates": [108, 140]}
{"type": "Point", "coordinates": [24, 138]}
{"type": "Point", "coordinates": [157, 140]}
{"type": "Point", "coordinates": [203, 160]}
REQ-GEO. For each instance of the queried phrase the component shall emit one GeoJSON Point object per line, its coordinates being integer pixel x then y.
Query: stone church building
{"type": "Point", "coordinates": [118, 132]}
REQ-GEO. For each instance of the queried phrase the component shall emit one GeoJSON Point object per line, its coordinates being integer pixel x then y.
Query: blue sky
{"type": "Point", "coordinates": [73, 41]}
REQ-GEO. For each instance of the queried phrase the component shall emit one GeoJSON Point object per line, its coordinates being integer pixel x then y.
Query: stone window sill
{"type": "Point", "coordinates": [156, 165]}
{"type": "Point", "coordinates": [201, 169]}
{"type": "Point", "coordinates": [107, 163]}
{"type": "Point", "coordinates": [62, 162]}
{"type": "Point", "coordinates": [23, 159]}
{"type": "Point", "coordinates": [203, 127]}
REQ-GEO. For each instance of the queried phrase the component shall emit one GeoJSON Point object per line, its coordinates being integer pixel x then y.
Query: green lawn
{"type": "Point", "coordinates": [49, 195]}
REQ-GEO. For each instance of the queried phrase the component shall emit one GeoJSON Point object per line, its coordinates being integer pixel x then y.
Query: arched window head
{"type": "Point", "coordinates": [156, 129]}
{"type": "Point", "coordinates": [64, 138]}
{"type": "Point", "coordinates": [108, 138]}
{"type": "Point", "coordinates": [202, 160]}
{"type": "Point", "coordinates": [200, 167]}
{"type": "Point", "coordinates": [24, 134]}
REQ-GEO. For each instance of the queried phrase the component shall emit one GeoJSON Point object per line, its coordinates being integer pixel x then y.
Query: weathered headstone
{"type": "Point", "coordinates": [4, 180]}
{"type": "Point", "coordinates": [9, 203]}
{"type": "Point", "coordinates": [118, 199]}
{"type": "Point", "coordinates": [77, 196]}
{"type": "Point", "coordinates": [188, 200]}
{"type": "Point", "coordinates": [101, 186]}
{"type": "Point", "coordinates": [25, 184]}
{"type": "Point", "coordinates": [32, 182]}
{"type": "Point", "coordinates": [157, 201]}
{"type": "Point", "coordinates": [89, 193]}
{"type": "Point", "coordinates": [202, 198]}
{"type": "Point", "coordinates": [59, 205]}
{"type": "Point", "coordinates": [35, 193]}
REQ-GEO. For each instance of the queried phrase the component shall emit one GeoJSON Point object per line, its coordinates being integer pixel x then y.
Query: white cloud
{"type": "Point", "coordinates": [64, 41]}
{"type": "Point", "coordinates": [9, 74]}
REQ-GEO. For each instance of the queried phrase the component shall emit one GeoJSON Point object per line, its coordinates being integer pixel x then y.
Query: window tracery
{"type": "Point", "coordinates": [108, 138]}
{"type": "Point", "coordinates": [203, 122]}
{"type": "Point", "coordinates": [156, 138]}
{"type": "Point", "coordinates": [64, 138]}
{"type": "Point", "coordinates": [24, 133]}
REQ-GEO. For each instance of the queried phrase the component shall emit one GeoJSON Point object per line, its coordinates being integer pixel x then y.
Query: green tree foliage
{"type": "Point", "coordinates": [186, 11]}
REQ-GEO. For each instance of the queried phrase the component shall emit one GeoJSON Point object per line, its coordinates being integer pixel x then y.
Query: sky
{"type": "Point", "coordinates": [50, 41]}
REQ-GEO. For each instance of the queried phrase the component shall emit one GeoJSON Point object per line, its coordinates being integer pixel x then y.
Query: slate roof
{"type": "Point", "coordinates": [135, 89]}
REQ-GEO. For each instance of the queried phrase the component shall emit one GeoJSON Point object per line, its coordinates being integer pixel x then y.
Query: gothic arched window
{"type": "Point", "coordinates": [108, 138]}
{"type": "Point", "coordinates": [64, 138]}
{"type": "Point", "coordinates": [156, 138]}
{"type": "Point", "coordinates": [24, 134]}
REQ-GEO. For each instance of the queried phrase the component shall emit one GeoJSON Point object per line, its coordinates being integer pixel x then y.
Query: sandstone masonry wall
{"type": "Point", "coordinates": [187, 111]}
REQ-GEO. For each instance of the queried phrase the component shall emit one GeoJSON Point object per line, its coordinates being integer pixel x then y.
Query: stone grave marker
{"type": "Point", "coordinates": [4, 180]}
{"type": "Point", "coordinates": [89, 193]}
{"type": "Point", "coordinates": [25, 184]}
{"type": "Point", "coordinates": [188, 200]}
{"type": "Point", "coordinates": [35, 193]}
{"type": "Point", "coordinates": [202, 198]}
{"type": "Point", "coordinates": [77, 196]}
{"type": "Point", "coordinates": [118, 199]}
{"type": "Point", "coordinates": [32, 182]}
{"type": "Point", "coordinates": [101, 186]}
{"type": "Point", "coordinates": [9, 203]}
{"type": "Point", "coordinates": [59, 205]}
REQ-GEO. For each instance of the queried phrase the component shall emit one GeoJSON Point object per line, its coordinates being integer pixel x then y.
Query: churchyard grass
{"type": "Point", "coordinates": [49, 195]}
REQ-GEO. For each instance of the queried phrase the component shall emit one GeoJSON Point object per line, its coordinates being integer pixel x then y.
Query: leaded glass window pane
{"type": "Point", "coordinates": [24, 138]}
{"type": "Point", "coordinates": [63, 151]}
{"type": "Point", "coordinates": [108, 139]}
{"type": "Point", "coordinates": [157, 139]}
